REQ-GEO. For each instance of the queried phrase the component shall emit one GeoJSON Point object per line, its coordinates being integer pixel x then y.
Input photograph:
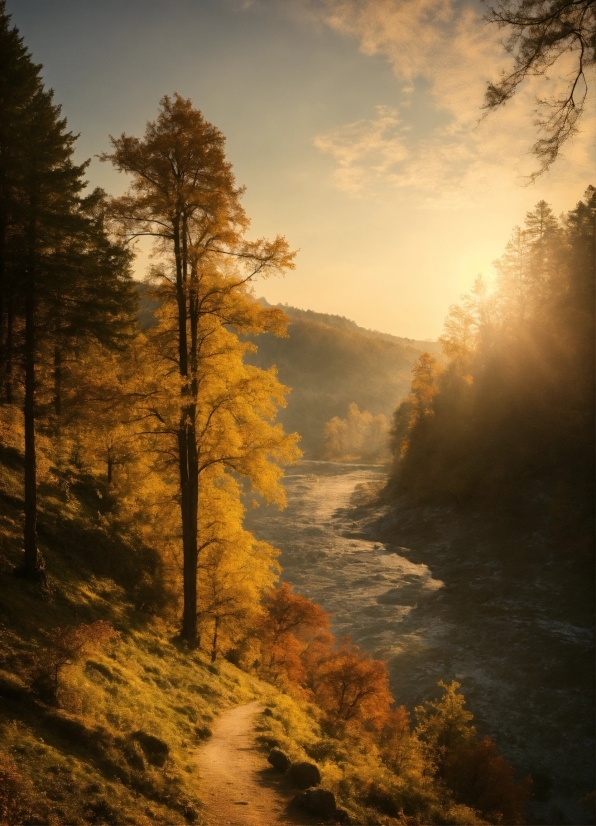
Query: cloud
{"type": "Point", "coordinates": [446, 166]}
{"type": "Point", "coordinates": [367, 150]}
{"type": "Point", "coordinates": [455, 52]}
{"type": "Point", "coordinates": [406, 32]}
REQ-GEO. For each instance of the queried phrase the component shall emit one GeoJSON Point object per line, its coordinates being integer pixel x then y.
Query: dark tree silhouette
{"type": "Point", "coordinates": [539, 33]}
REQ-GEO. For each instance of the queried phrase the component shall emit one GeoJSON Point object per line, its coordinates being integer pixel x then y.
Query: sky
{"type": "Point", "coordinates": [355, 126]}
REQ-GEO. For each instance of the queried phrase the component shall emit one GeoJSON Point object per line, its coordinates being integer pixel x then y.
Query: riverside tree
{"type": "Point", "coordinates": [513, 407]}
{"type": "Point", "coordinates": [183, 195]}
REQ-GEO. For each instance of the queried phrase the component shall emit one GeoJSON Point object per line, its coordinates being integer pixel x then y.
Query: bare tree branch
{"type": "Point", "coordinates": [539, 33]}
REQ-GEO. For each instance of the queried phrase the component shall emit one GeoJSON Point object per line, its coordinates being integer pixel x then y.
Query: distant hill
{"type": "Point", "coordinates": [343, 323]}
{"type": "Point", "coordinates": [329, 362]}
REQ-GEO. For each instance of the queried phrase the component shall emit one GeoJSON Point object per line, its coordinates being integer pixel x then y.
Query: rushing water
{"type": "Point", "coordinates": [369, 589]}
{"type": "Point", "coordinates": [495, 632]}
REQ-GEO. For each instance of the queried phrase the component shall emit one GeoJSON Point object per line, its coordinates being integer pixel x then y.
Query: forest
{"type": "Point", "coordinates": [138, 425]}
{"type": "Point", "coordinates": [508, 416]}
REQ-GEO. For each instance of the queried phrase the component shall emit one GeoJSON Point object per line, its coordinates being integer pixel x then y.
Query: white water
{"type": "Point", "coordinates": [494, 629]}
{"type": "Point", "coordinates": [369, 589]}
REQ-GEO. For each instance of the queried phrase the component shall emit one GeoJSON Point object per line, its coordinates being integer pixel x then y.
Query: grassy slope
{"type": "Point", "coordinates": [78, 762]}
{"type": "Point", "coordinates": [82, 761]}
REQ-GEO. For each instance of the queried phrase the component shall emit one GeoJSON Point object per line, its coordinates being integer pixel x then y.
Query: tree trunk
{"type": "Point", "coordinates": [2, 283]}
{"type": "Point", "coordinates": [9, 352]}
{"type": "Point", "coordinates": [189, 537]}
{"type": "Point", "coordinates": [187, 446]}
{"type": "Point", "coordinates": [57, 382]}
{"type": "Point", "coordinates": [214, 646]}
{"type": "Point", "coordinates": [32, 562]}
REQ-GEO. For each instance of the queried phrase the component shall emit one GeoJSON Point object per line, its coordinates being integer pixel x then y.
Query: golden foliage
{"type": "Point", "coordinates": [359, 437]}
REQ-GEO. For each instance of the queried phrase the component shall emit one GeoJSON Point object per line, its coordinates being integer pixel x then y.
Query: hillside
{"type": "Point", "coordinates": [117, 744]}
{"type": "Point", "coordinates": [328, 362]}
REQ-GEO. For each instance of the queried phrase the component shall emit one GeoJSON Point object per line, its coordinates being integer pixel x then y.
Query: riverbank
{"type": "Point", "coordinates": [449, 595]}
{"type": "Point", "coordinates": [514, 625]}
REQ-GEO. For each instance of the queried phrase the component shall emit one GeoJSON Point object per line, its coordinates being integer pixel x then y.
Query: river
{"type": "Point", "coordinates": [433, 611]}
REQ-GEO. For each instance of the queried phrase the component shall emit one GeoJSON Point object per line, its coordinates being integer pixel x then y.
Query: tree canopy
{"type": "Point", "coordinates": [183, 195]}
{"type": "Point", "coordinates": [510, 416]}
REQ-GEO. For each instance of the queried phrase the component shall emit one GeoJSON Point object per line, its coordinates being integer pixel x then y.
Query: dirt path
{"type": "Point", "coordinates": [238, 787]}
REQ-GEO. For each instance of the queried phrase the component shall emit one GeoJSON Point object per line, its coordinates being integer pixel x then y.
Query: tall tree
{"type": "Point", "coordinates": [183, 194]}
{"type": "Point", "coordinates": [513, 409]}
{"type": "Point", "coordinates": [57, 259]}
{"type": "Point", "coordinates": [50, 184]}
{"type": "Point", "coordinates": [19, 84]}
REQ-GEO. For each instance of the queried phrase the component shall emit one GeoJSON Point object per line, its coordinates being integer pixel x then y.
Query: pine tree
{"type": "Point", "coordinates": [19, 84]}
{"type": "Point", "coordinates": [49, 188]}
{"type": "Point", "coordinates": [60, 274]}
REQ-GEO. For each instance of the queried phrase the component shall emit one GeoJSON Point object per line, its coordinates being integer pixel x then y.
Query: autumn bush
{"type": "Point", "coordinates": [400, 749]}
{"type": "Point", "coordinates": [353, 688]}
{"type": "Point", "coordinates": [15, 794]}
{"type": "Point", "coordinates": [479, 776]}
{"type": "Point", "coordinates": [350, 687]}
{"type": "Point", "coordinates": [64, 646]}
{"type": "Point", "coordinates": [472, 769]}
{"type": "Point", "coordinates": [290, 630]}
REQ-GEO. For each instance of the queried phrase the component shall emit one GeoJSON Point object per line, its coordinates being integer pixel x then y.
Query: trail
{"type": "Point", "coordinates": [238, 786]}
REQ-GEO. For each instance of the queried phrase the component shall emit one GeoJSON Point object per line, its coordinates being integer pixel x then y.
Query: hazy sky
{"type": "Point", "coordinates": [352, 123]}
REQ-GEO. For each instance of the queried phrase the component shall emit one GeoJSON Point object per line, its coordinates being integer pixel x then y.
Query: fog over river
{"type": "Point", "coordinates": [432, 616]}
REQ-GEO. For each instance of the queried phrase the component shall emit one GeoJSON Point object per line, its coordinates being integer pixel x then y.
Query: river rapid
{"type": "Point", "coordinates": [434, 611]}
{"type": "Point", "coordinates": [369, 589]}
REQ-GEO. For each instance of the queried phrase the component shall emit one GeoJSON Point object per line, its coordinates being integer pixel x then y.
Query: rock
{"type": "Point", "coordinates": [316, 801]}
{"type": "Point", "coordinates": [203, 732]}
{"type": "Point", "coordinates": [156, 751]}
{"type": "Point", "coordinates": [190, 814]}
{"type": "Point", "coordinates": [279, 759]}
{"type": "Point", "coordinates": [341, 816]}
{"type": "Point", "coordinates": [134, 756]}
{"type": "Point", "coordinates": [303, 775]}
{"type": "Point", "coordinates": [44, 687]}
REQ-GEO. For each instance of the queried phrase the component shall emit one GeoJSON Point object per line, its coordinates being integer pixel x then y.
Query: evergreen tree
{"type": "Point", "coordinates": [60, 275]}
{"type": "Point", "coordinates": [513, 409]}
{"type": "Point", "coordinates": [19, 84]}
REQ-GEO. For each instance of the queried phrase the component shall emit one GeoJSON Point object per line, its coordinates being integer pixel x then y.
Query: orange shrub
{"type": "Point", "coordinates": [289, 628]}
{"type": "Point", "coordinates": [480, 777]}
{"type": "Point", "coordinates": [352, 687]}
